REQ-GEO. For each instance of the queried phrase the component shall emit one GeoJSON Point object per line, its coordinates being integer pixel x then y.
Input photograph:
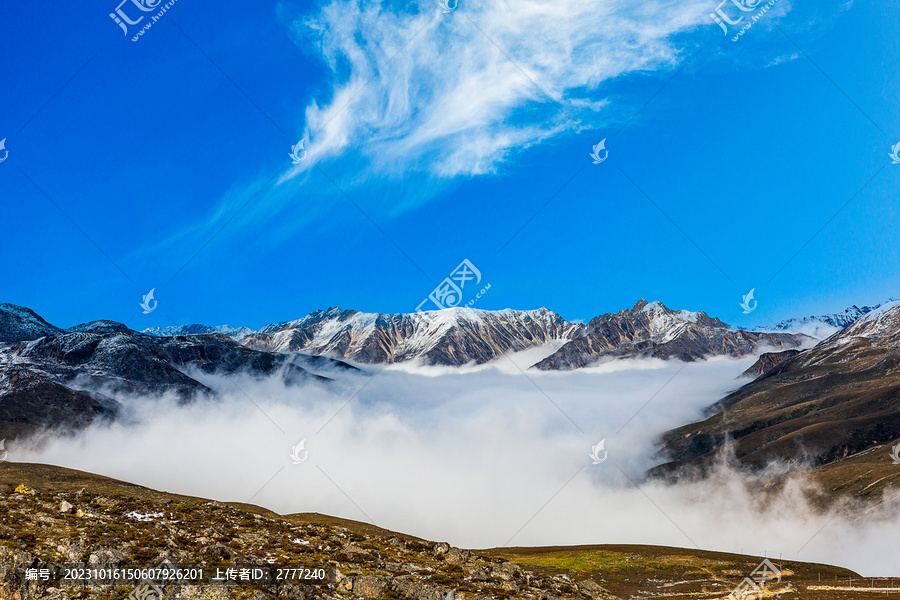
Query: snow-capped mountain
{"type": "Point", "coordinates": [871, 339]}
{"type": "Point", "coordinates": [653, 330]}
{"type": "Point", "coordinates": [55, 377]}
{"type": "Point", "coordinates": [459, 336]}
{"type": "Point", "coordinates": [453, 336]}
{"type": "Point", "coordinates": [881, 324]}
{"type": "Point", "coordinates": [237, 333]}
{"type": "Point", "coordinates": [823, 326]}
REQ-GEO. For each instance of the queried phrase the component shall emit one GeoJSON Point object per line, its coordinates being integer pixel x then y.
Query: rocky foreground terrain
{"type": "Point", "coordinates": [51, 517]}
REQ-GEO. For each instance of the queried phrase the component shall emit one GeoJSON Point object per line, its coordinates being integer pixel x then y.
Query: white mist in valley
{"type": "Point", "coordinates": [479, 457]}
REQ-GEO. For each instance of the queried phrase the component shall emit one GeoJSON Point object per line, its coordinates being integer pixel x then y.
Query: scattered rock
{"type": "Point", "coordinates": [413, 590]}
{"type": "Point", "coordinates": [369, 586]}
{"type": "Point", "coordinates": [203, 592]}
{"type": "Point", "coordinates": [369, 567]}
{"type": "Point", "coordinates": [334, 576]}
{"type": "Point", "coordinates": [85, 511]}
{"type": "Point", "coordinates": [217, 552]}
{"type": "Point", "coordinates": [593, 589]}
{"type": "Point", "coordinates": [72, 551]}
{"type": "Point", "coordinates": [105, 557]}
{"type": "Point", "coordinates": [457, 557]}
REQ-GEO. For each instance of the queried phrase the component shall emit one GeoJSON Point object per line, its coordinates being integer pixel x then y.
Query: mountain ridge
{"type": "Point", "coordinates": [53, 377]}
{"type": "Point", "coordinates": [650, 329]}
{"type": "Point", "coordinates": [460, 336]}
{"type": "Point", "coordinates": [826, 325]}
{"type": "Point", "coordinates": [454, 336]}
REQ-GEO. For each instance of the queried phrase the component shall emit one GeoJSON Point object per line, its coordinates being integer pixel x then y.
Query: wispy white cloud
{"type": "Point", "coordinates": [413, 91]}
{"type": "Point", "coordinates": [455, 94]}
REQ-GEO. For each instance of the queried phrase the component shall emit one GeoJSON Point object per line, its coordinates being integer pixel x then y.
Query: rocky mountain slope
{"type": "Point", "coordinates": [51, 377]}
{"type": "Point", "coordinates": [20, 323]}
{"type": "Point", "coordinates": [459, 336]}
{"type": "Point", "coordinates": [51, 517]}
{"type": "Point", "coordinates": [653, 330]}
{"type": "Point", "coordinates": [767, 361]}
{"type": "Point", "coordinates": [236, 333]}
{"type": "Point", "coordinates": [454, 336]}
{"type": "Point", "coordinates": [826, 409]}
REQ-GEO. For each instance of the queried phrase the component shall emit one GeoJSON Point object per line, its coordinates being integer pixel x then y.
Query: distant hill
{"type": "Point", "coordinates": [50, 376]}
{"type": "Point", "coordinates": [823, 326]}
{"type": "Point", "coordinates": [833, 410]}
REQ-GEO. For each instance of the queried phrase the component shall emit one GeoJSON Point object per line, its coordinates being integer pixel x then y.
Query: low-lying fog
{"type": "Point", "coordinates": [477, 457]}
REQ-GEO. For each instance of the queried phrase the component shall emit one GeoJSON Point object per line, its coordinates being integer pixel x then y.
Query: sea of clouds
{"type": "Point", "coordinates": [480, 457]}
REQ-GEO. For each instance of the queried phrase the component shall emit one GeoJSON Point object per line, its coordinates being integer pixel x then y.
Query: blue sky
{"type": "Point", "coordinates": [432, 138]}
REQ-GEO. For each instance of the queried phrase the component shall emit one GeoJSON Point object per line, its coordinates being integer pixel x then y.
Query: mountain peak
{"type": "Point", "coordinates": [101, 326]}
{"type": "Point", "coordinates": [824, 326]}
{"type": "Point", "coordinates": [18, 323]}
{"type": "Point", "coordinates": [883, 321]}
{"type": "Point", "coordinates": [651, 329]}
{"type": "Point", "coordinates": [451, 336]}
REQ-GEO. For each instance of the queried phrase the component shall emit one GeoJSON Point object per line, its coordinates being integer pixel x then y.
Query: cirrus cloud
{"type": "Point", "coordinates": [456, 94]}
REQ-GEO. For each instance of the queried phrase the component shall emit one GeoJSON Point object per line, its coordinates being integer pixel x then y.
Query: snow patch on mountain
{"type": "Point", "coordinates": [667, 324]}
{"type": "Point", "coordinates": [237, 333]}
{"type": "Point", "coordinates": [452, 336]}
{"type": "Point", "coordinates": [824, 326]}
{"type": "Point", "coordinates": [879, 322]}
